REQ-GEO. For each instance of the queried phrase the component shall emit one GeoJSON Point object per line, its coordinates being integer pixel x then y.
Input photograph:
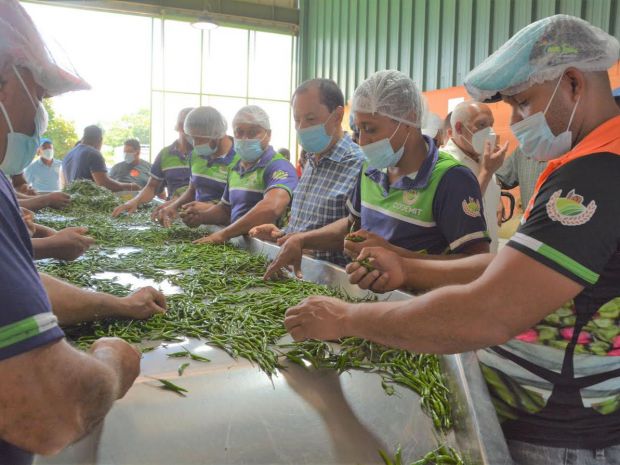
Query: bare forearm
{"type": "Point", "coordinates": [55, 406]}
{"type": "Point", "coordinates": [443, 322]}
{"type": "Point", "coordinates": [329, 237]}
{"type": "Point", "coordinates": [32, 203]}
{"type": "Point", "coordinates": [147, 193]}
{"type": "Point", "coordinates": [430, 274]}
{"type": "Point", "coordinates": [262, 213]}
{"type": "Point", "coordinates": [484, 177]}
{"type": "Point", "coordinates": [73, 305]}
{"type": "Point", "coordinates": [43, 231]}
{"type": "Point", "coordinates": [188, 196]}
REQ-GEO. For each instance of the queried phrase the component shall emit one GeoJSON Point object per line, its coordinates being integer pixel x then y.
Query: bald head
{"type": "Point", "coordinates": [467, 119]}
{"type": "Point", "coordinates": [464, 112]}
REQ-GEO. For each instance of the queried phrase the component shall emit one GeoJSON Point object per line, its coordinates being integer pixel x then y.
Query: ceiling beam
{"type": "Point", "coordinates": [236, 13]}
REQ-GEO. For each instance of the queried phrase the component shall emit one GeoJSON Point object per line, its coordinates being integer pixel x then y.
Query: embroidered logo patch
{"type": "Point", "coordinates": [472, 207]}
{"type": "Point", "coordinates": [569, 210]}
{"type": "Point", "coordinates": [280, 174]}
{"type": "Point", "coordinates": [409, 197]}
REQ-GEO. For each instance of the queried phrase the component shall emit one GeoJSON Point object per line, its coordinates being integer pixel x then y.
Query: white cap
{"type": "Point", "coordinates": [252, 114]}
{"type": "Point", "coordinates": [205, 122]}
{"type": "Point", "coordinates": [390, 93]}
{"type": "Point", "coordinates": [21, 45]}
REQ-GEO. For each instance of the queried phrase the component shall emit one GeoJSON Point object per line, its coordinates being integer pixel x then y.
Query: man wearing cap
{"type": "Point", "coordinates": [473, 144]}
{"type": "Point", "coordinates": [259, 187]}
{"type": "Point", "coordinates": [52, 394]}
{"type": "Point", "coordinates": [44, 174]}
{"type": "Point", "coordinates": [333, 166]}
{"type": "Point", "coordinates": [85, 161]}
{"type": "Point", "coordinates": [132, 169]}
{"type": "Point", "coordinates": [212, 157]}
{"type": "Point", "coordinates": [554, 375]}
{"type": "Point", "coordinates": [170, 170]}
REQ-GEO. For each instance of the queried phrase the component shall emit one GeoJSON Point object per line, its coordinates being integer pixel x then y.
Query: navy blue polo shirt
{"type": "Point", "coordinates": [437, 210]}
{"type": "Point", "coordinates": [209, 175]}
{"type": "Point", "coordinates": [172, 167]}
{"type": "Point", "coordinates": [81, 162]}
{"type": "Point", "coordinates": [245, 188]}
{"type": "Point", "coordinates": [26, 318]}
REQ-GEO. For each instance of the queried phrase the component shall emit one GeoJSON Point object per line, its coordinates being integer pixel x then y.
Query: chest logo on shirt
{"type": "Point", "coordinates": [471, 207]}
{"type": "Point", "coordinates": [410, 197]}
{"type": "Point", "coordinates": [279, 175]}
{"type": "Point", "coordinates": [134, 173]}
{"type": "Point", "coordinates": [569, 210]}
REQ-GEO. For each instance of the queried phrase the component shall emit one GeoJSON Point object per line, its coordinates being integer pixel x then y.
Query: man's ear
{"type": "Point", "coordinates": [577, 82]}
{"type": "Point", "coordinates": [457, 130]}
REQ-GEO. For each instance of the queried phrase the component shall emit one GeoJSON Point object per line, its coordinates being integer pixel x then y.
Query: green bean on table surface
{"type": "Point", "coordinates": [222, 299]}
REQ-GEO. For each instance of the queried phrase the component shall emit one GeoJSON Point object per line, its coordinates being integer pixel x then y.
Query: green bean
{"type": "Point", "coordinates": [182, 368]}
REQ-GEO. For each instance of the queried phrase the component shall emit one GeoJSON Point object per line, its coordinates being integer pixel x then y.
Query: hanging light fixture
{"type": "Point", "coordinates": [205, 22]}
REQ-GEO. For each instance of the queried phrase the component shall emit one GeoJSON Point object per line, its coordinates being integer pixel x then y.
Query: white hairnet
{"type": "Point", "coordinates": [22, 45]}
{"type": "Point", "coordinates": [431, 125]}
{"type": "Point", "coordinates": [541, 52]}
{"type": "Point", "coordinates": [389, 93]}
{"type": "Point", "coordinates": [252, 114]}
{"type": "Point", "coordinates": [205, 122]}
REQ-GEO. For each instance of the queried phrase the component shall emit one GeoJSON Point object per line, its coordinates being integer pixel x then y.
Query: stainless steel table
{"type": "Point", "coordinates": [235, 414]}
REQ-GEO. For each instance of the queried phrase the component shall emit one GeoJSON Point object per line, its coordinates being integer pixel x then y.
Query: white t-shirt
{"type": "Point", "coordinates": [490, 199]}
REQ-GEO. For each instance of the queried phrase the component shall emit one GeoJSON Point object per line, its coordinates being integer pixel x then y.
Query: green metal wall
{"type": "Point", "coordinates": [436, 42]}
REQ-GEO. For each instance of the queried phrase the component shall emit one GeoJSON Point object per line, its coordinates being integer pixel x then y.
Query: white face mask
{"type": "Point", "coordinates": [47, 154]}
{"type": "Point", "coordinates": [535, 137]}
{"type": "Point", "coordinates": [479, 138]}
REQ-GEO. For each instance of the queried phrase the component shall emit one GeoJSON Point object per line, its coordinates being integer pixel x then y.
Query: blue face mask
{"type": "Point", "coordinates": [204, 150]}
{"type": "Point", "coordinates": [249, 150]}
{"type": "Point", "coordinates": [129, 157]}
{"type": "Point", "coordinates": [20, 148]}
{"type": "Point", "coordinates": [536, 139]}
{"type": "Point", "coordinates": [314, 139]}
{"type": "Point", "coordinates": [381, 155]}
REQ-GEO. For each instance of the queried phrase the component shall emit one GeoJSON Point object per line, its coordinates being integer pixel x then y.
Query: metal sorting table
{"type": "Point", "coordinates": [234, 414]}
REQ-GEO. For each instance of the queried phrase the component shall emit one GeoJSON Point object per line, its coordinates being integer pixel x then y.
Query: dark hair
{"type": "Point", "coordinates": [92, 135]}
{"type": "Point", "coordinates": [447, 122]}
{"type": "Point", "coordinates": [285, 152]}
{"type": "Point", "coordinates": [135, 143]}
{"type": "Point", "coordinates": [330, 94]}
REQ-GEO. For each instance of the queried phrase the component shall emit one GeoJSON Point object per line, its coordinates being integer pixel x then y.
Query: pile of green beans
{"type": "Point", "coordinates": [86, 195]}
{"type": "Point", "coordinates": [223, 299]}
{"type": "Point", "coordinates": [442, 455]}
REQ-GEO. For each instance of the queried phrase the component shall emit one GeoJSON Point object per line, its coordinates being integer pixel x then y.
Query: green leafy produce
{"type": "Point", "coordinates": [216, 293]}
{"type": "Point", "coordinates": [182, 368]}
{"type": "Point", "coordinates": [170, 386]}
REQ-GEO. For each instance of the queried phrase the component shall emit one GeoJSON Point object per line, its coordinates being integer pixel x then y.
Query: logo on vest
{"type": "Point", "coordinates": [279, 175]}
{"type": "Point", "coordinates": [410, 197]}
{"type": "Point", "coordinates": [472, 207]}
{"type": "Point", "coordinates": [569, 210]}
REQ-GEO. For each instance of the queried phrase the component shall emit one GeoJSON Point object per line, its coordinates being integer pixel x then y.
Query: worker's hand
{"type": "Point", "coordinates": [318, 317]}
{"type": "Point", "coordinates": [28, 190]}
{"type": "Point", "coordinates": [28, 218]}
{"type": "Point", "coordinates": [266, 232]}
{"type": "Point", "coordinates": [158, 208]}
{"type": "Point", "coordinates": [193, 214]}
{"type": "Point", "coordinates": [142, 304]}
{"type": "Point", "coordinates": [123, 358]}
{"type": "Point", "coordinates": [353, 248]}
{"type": "Point", "coordinates": [289, 257]}
{"type": "Point", "coordinates": [69, 243]}
{"type": "Point", "coordinates": [386, 273]}
{"type": "Point", "coordinates": [128, 207]}
{"type": "Point", "coordinates": [493, 157]}
{"type": "Point", "coordinates": [57, 200]}
{"type": "Point", "coordinates": [167, 215]}
{"type": "Point", "coordinates": [218, 237]}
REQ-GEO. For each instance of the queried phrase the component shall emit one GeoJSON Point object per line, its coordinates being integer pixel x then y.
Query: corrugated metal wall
{"type": "Point", "coordinates": [437, 42]}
